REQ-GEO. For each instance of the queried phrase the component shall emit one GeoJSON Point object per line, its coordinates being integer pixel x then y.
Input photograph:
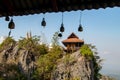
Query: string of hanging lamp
{"type": "Point", "coordinates": [62, 25]}
{"type": "Point", "coordinates": [80, 28]}
{"type": "Point", "coordinates": [9, 33]}
{"type": "Point", "coordinates": [7, 18]}
{"type": "Point", "coordinates": [62, 29]}
{"type": "Point", "coordinates": [11, 24]}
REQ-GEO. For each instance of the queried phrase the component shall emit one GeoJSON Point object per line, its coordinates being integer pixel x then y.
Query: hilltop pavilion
{"type": "Point", "coordinates": [72, 43]}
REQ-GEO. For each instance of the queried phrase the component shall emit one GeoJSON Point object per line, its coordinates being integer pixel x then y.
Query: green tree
{"type": "Point", "coordinates": [34, 51]}
{"type": "Point", "coordinates": [86, 52]}
{"type": "Point", "coordinates": [90, 52]}
{"type": "Point", "coordinates": [9, 41]}
{"type": "Point", "coordinates": [32, 45]}
{"type": "Point", "coordinates": [55, 39]}
{"type": "Point", "coordinates": [47, 62]}
{"type": "Point", "coordinates": [10, 72]}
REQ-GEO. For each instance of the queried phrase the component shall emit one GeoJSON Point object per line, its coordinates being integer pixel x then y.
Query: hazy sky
{"type": "Point", "coordinates": [101, 28]}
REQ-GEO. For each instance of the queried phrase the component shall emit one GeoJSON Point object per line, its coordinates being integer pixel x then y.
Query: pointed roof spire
{"type": "Point", "coordinates": [72, 35]}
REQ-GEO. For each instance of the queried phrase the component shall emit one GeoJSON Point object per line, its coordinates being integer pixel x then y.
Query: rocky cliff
{"type": "Point", "coordinates": [16, 59]}
{"type": "Point", "coordinates": [74, 67]}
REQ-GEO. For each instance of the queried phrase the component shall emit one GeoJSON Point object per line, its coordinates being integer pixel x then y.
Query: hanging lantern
{"type": "Point", "coordinates": [7, 18]}
{"type": "Point", "coordinates": [11, 24]}
{"type": "Point", "coordinates": [43, 23]}
{"type": "Point", "coordinates": [80, 28]}
{"type": "Point", "coordinates": [60, 35]}
{"type": "Point", "coordinates": [62, 28]}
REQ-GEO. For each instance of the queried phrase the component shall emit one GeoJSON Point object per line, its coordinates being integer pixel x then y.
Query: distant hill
{"type": "Point", "coordinates": [111, 73]}
{"type": "Point", "coordinates": [116, 76]}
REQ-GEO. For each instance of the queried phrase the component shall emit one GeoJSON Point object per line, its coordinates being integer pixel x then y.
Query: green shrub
{"type": "Point", "coordinates": [6, 42]}
{"type": "Point", "coordinates": [68, 60]}
{"type": "Point", "coordinates": [47, 63]}
{"type": "Point", "coordinates": [86, 52]}
{"type": "Point", "coordinates": [90, 52]}
{"type": "Point", "coordinates": [32, 45]}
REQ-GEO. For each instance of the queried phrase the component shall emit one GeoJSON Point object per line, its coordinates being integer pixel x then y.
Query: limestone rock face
{"type": "Point", "coordinates": [71, 66]}
{"type": "Point", "coordinates": [74, 67]}
{"type": "Point", "coordinates": [12, 54]}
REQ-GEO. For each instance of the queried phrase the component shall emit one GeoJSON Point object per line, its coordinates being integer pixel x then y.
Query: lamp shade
{"type": "Point", "coordinates": [62, 28]}
{"type": "Point", "coordinates": [80, 28]}
{"type": "Point", "coordinates": [11, 24]}
{"type": "Point", "coordinates": [59, 35]}
{"type": "Point", "coordinates": [43, 23]}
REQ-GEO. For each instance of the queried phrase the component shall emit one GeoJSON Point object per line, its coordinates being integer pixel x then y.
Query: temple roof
{"type": "Point", "coordinates": [72, 35]}
{"type": "Point", "coordinates": [72, 39]}
{"type": "Point", "coordinates": [26, 7]}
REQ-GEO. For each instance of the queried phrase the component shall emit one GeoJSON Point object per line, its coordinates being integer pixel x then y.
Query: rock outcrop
{"type": "Point", "coordinates": [71, 66]}
{"type": "Point", "coordinates": [74, 67]}
{"type": "Point", "coordinates": [24, 59]}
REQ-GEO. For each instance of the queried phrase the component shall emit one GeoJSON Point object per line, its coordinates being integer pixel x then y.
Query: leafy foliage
{"type": "Point", "coordinates": [46, 63]}
{"type": "Point", "coordinates": [97, 62]}
{"type": "Point", "coordinates": [7, 42]}
{"type": "Point", "coordinates": [86, 51]}
{"type": "Point", "coordinates": [90, 52]}
{"type": "Point", "coordinates": [28, 43]}
{"type": "Point", "coordinates": [68, 60]}
{"type": "Point", "coordinates": [34, 49]}
{"type": "Point", "coordinates": [11, 72]}
{"type": "Point", "coordinates": [32, 44]}
{"type": "Point", "coordinates": [55, 39]}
